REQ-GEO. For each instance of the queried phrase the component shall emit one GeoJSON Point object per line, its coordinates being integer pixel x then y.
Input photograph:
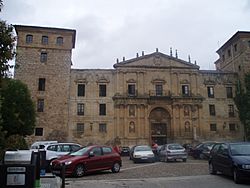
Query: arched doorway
{"type": "Point", "coordinates": [159, 119]}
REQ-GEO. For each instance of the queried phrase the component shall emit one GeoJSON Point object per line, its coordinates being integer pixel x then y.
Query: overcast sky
{"type": "Point", "coordinates": [111, 29]}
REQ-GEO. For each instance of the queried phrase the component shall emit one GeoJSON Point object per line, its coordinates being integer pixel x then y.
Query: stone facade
{"type": "Point", "coordinates": [154, 97]}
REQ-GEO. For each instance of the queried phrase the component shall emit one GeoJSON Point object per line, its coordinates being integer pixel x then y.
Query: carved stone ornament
{"type": "Point", "coordinates": [184, 82]}
{"type": "Point", "coordinates": [102, 79]}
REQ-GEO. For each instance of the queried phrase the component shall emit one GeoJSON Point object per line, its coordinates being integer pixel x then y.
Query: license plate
{"type": "Point", "coordinates": [144, 158]}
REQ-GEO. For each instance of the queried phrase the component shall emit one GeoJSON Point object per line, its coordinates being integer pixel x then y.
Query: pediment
{"type": "Point", "coordinates": [156, 60]}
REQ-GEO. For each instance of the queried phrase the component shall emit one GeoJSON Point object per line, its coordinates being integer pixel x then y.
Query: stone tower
{"type": "Point", "coordinates": [234, 55]}
{"type": "Point", "coordinates": [43, 62]}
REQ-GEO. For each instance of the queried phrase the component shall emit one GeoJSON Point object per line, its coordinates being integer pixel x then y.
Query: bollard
{"type": "Point", "coordinates": [37, 163]}
{"type": "Point", "coordinates": [63, 175]}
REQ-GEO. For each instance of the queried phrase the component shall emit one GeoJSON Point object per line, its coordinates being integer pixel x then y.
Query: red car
{"type": "Point", "coordinates": [88, 159]}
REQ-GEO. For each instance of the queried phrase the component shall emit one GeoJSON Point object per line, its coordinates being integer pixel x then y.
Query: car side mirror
{"type": "Point", "coordinates": [91, 154]}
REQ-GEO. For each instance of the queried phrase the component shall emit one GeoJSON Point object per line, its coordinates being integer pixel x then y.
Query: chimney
{"type": "Point", "coordinates": [137, 55]}
{"type": "Point", "coordinates": [117, 60]}
{"type": "Point", "coordinates": [142, 53]}
{"type": "Point", "coordinates": [123, 58]}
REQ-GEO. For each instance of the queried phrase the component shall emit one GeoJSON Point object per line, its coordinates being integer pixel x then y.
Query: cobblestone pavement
{"type": "Point", "coordinates": [130, 170]}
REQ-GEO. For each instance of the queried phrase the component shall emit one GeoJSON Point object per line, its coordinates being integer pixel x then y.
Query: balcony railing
{"type": "Point", "coordinates": [160, 93]}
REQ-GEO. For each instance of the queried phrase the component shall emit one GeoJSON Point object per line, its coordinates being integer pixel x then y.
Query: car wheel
{"type": "Point", "coordinates": [79, 170]}
{"type": "Point", "coordinates": [116, 167]}
{"type": "Point", "coordinates": [212, 169]}
{"type": "Point", "coordinates": [184, 160]}
{"type": "Point", "coordinates": [236, 176]}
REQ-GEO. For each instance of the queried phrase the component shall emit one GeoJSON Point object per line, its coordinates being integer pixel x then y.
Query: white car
{"type": "Point", "coordinates": [55, 150]}
{"type": "Point", "coordinates": [41, 144]}
{"type": "Point", "coordinates": [172, 152]}
{"type": "Point", "coordinates": [143, 153]}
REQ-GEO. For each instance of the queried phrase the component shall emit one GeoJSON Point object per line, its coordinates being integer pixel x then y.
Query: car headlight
{"type": "Point", "coordinates": [68, 162]}
{"type": "Point", "coordinates": [246, 166]}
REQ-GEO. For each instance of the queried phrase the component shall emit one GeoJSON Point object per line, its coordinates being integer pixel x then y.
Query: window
{"type": "Point", "coordinates": [210, 91]}
{"type": "Point", "coordinates": [102, 109]}
{"type": "Point", "coordinates": [229, 92]}
{"type": "Point", "coordinates": [102, 128]}
{"type": "Point", "coordinates": [45, 40]}
{"type": "Point", "coordinates": [229, 53]}
{"type": "Point", "coordinates": [185, 90]}
{"type": "Point", "coordinates": [52, 148]}
{"type": "Point", "coordinates": [213, 127]}
{"type": "Point", "coordinates": [41, 84]}
{"type": "Point", "coordinates": [29, 39]}
{"type": "Point", "coordinates": [43, 57]}
{"type": "Point", "coordinates": [232, 127]}
{"type": "Point", "coordinates": [158, 89]}
{"type": "Point", "coordinates": [80, 128]}
{"type": "Point", "coordinates": [249, 43]}
{"type": "Point", "coordinates": [131, 89]}
{"type": "Point", "coordinates": [231, 110]}
{"type": "Point", "coordinates": [40, 105]}
{"type": "Point", "coordinates": [223, 57]}
{"type": "Point", "coordinates": [212, 110]}
{"type": "Point", "coordinates": [97, 151]}
{"type": "Point", "coordinates": [102, 90]}
{"type": "Point", "coordinates": [235, 47]}
{"type": "Point", "coordinates": [80, 109]}
{"type": "Point", "coordinates": [59, 41]}
{"type": "Point", "coordinates": [81, 90]}
{"type": "Point", "coordinates": [106, 150]}
{"type": "Point", "coordinates": [38, 131]}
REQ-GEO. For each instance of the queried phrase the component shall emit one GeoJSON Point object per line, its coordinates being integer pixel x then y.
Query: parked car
{"type": "Point", "coordinates": [55, 150]}
{"type": "Point", "coordinates": [131, 152]}
{"type": "Point", "coordinates": [202, 150]}
{"type": "Point", "coordinates": [172, 152]}
{"type": "Point", "coordinates": [231, 159]}
{"type": "Point", "coordinates": [41, 144]}
{"type": "Point", "coordinates": [125, 151]}
{"type": "Point", "coordinates": [142, 153]}
{"type": "Point", "coordinates": [88, 159]}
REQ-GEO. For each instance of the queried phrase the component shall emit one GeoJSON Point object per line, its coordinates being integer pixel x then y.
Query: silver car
{"type": "Point", "coordinates": [172, 152]}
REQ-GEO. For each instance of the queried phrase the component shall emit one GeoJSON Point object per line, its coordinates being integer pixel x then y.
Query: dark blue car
{"type": "Point", "coordinates": [231, 159]}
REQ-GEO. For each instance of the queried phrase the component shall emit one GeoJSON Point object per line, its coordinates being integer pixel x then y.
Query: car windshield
{"type": "Point", "coordinates": [175, 147]}
{"type": "Point", "coordinates": [80, 152]}
{"type": "Point", "coordinates": [240, 149]}
{"type": "Point", "coordinates": [142, 148]}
